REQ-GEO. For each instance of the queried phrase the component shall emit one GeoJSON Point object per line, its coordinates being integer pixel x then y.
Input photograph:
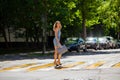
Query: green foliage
{"type": "Point", "coordinates": [27, 14]}
{"type": "Point", "coordinates": [109, 14]}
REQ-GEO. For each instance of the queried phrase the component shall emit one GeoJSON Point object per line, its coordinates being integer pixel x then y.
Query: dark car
{"type": "Point", "coordinates": [92, 43]}
{"type": "Point", "coordinates": [75, 44]}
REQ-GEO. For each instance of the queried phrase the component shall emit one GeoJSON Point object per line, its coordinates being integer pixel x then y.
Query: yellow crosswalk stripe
{"type": "Point", "coordinates": [95, 65]}
{"type": "Point", "coordinates": [116, 65]}
{"type": "Point", "coordinates": [71, 65]}
{"type": "Point", "coordinates": [66, 66]}
{"type": "Point", "coordinates": [41, 66]}
{"type": "Point", "coordinates": [18, 66]}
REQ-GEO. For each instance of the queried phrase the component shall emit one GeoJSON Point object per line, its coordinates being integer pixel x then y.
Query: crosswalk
{"type": "Point", "coordinates": [95, 65]}
{"type": "Point", "coordinates": [116, 65]}
{"type": "Point", "coordinates": [47, 66]}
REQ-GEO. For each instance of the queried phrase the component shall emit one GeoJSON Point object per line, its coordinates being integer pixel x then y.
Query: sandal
{"type": "Point", "coordinates": [58, 67]}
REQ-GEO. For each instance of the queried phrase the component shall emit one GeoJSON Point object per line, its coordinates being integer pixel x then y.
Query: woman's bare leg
{"type": "Point", "coordinates": [59, 57]}
{"type": "Point", "coordinates": [55, 55]}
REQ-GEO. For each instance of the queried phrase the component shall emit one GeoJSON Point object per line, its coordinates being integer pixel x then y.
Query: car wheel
{"type": "Point", "coordinates": [69, 50]}
{"type": "Point", "coordinates": [84, 50]}
{"type": "Point", "coordinates": [95, 48]}
{"type": "Point", "coordinates": [78, 49]}
{"type": "Point", "coordinates": [107, 46]}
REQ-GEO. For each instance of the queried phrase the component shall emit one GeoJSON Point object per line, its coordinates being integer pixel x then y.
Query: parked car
{"type": "Point", "coordinates": [92, 43]}
{"type": "Point", "coordinates": [103, 43]}
{"type": "Point", "coordinates": [107, 42]}
{"type": "Point", "coordinates": [112, 42]}
{"type": "Point", "coordinates": [118, 44]}
{"type": "Point", "coordinates": [75, 44]}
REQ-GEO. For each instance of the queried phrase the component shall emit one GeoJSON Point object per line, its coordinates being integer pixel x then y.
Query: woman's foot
{"type": "Point", "coordinates": [56, 63]}
{"type": "Point", "coordinates": [58, 67]}
{"type": "Point", "coordinates": [59, 63]}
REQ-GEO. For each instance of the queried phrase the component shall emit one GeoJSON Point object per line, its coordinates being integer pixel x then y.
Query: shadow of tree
{"type": "Point", "coordinates": [49, 55]}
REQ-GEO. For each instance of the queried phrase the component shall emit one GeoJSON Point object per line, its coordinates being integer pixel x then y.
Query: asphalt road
{"type": "Point", "coordinates": [91, 65]}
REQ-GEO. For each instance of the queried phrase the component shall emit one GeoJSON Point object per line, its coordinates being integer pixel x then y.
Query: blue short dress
{"type": "Point", "coordinates": [55, 41]}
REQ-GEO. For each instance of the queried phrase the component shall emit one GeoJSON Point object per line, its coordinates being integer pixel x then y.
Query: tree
{"type": "Point", "coordinates": [109, 12]}
{"type": "Point", "coordinates": [76, 16]}
{"type": "Point", "coordinates": [8, 15]}
{"type": "Point", "coordinates": [87, 11]}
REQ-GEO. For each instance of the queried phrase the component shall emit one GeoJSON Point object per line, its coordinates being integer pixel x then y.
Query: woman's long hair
{"type": "Point", "coordinates": [55, 25]}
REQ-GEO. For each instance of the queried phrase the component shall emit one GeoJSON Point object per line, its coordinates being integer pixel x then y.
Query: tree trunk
{"type": "Point", "coordinates": [27, 38]}
{"type": "Point", "coordinates": [43, 43]}
{"type": "Point", "coordinates": [44, 25]}
{"type": "Point", "coordinates": [83, 24]}
{"type": "Point", "coordinates": [84, 28]}
{"type": "Point", "coordinates": [36, 37]}
{"type": "Point", "coordinates": [9, 36]}
{"type": "Point", "coordinates": [44, 21]}
{"type": "Point", "coordinates": [5, 37]}
{"type": "Point", "coordinates": [83, 19]}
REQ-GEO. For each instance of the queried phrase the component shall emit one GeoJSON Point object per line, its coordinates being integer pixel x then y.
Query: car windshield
{"type": "Point", "coordinates": [91, 39]}
{"type": "Point", "coordinates": [102, 39]}
{"type": "Point", "coordinates": [71, 40]}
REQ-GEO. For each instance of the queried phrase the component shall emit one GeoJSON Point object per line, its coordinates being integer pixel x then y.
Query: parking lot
{"type": "Point", "coordinates": [96, 43]}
